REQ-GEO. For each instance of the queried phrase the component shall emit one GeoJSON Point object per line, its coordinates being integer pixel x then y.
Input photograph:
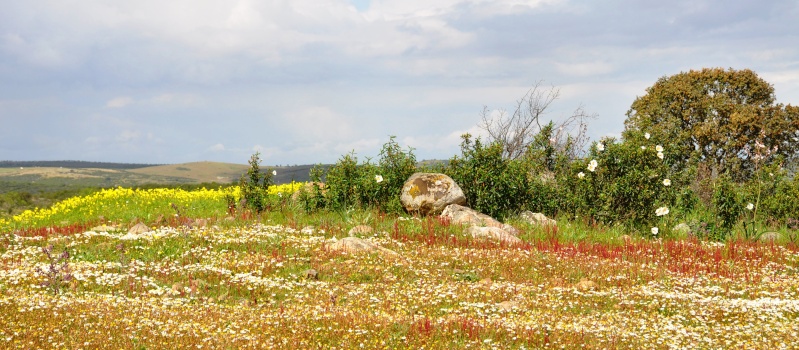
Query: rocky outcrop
{"type": "Point", "coordinates": [430, 193]}
{"type": "Point", "coordinates": [480, 225]}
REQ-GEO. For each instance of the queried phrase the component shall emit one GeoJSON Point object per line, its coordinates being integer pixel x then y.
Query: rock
{"type": "Point", "coordinates": [138, 229]}
{"type": "Point", "coordinates": [493, 233]}
{"type": "Point", "coordinates": [459, 215]}
{"type": "Point", "coordinates": [770, 237]}
{"type": "Point", "coordinates": [359, 230]}
{"type": "Point", "coordinates": [681, 229]}
{"type": "Point", "coordinates": [311, 274]}
{"type": "Point", "coordinates": [585, 285]}
{"type": "Point", "coordinates": [355, 245]}
{"type": "Point", "coordinates": [537, 219]}
{"type": "Point", "coordinates": [430, 193]}
{"type": "Point", "coordinates": [508, 305]}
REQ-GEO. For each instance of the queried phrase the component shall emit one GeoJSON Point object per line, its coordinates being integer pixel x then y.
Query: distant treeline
{"type": "Point", "coordinates": [75, 164]}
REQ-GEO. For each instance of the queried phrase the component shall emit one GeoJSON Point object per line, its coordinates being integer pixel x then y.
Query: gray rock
{"type": "Point", "coordinates": [359, 230]}
{"type": "Point", "coordinates": [430, 193]}
{"type": "Point", "coordinates": [139, 229]}
{"type": "Point", "coordinates": [493, 233]}
{"type": "Point", "coordinates": [770, 237]}
{"type": "Point", "coordinates": [311, 274]}
{"type": "Point", "coordinates": [459, 215]}
{"type": "Point", "coordinates": [537, 219]}
{"type": "Point", "coordinates": [355, 245]}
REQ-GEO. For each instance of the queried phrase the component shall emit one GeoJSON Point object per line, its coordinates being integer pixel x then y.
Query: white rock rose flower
{"type": "Point", "coordinates": [659, 148]}
{"type": "Point", "coordinates": [600, 146]}
{"type": "Point", "coordinates": [655, 231]}
{"type": "Point", "coordinates": [661, 211]}
{"type": "Point", "coordinates": [581, 175]}
{"type": "Point", "coordinates": [660, 155]}
{"type": "Point", "coordinates": [666, 182]}
{"type": "Point", "coordinates": [750, 206]}
{"type": "Point", "coordinates": [274, 172]}
{"type": "Point", "coordinates": [647, 136]}
{"type": "Point", "coordinates": [592, 165]}
{"type": "Point", "coordinates": [378, 178]}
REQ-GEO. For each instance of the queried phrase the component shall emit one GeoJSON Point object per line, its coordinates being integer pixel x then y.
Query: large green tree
{"type": "Point", "coordinates": [726, 118]}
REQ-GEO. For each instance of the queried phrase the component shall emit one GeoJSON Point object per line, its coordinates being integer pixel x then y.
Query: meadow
{"type": "Point", "coordinates": [212, 276]}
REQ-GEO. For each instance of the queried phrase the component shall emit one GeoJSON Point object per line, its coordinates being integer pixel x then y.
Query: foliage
{"type": "Point", "coordinates": [623, 183]}
{"type": "Point", "coordinates": [394, 168]}
{"type": "Point", "coordinates": [342, 181]}
{"type": "Point", "coordinates": [727, 206]}
{"type": "Point", "coordinates": [255, 185]}
{"type": "Point", "coordinates": [493, 184]}
{"type": "Point", "coordinates": [713, 115]}
{"type": "Point", "coordinates": [353, 185]}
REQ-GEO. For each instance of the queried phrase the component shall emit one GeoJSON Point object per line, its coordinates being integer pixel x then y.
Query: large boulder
{"type": "Point", "coordinates": [430, 193]}
{"type": "Point", "coordinates": [480, 225]}
{"type": "Point", "coordinates": [459, 215]}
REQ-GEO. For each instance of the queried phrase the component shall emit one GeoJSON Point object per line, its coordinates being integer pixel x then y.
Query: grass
{"type": "Point", "coordinates": [241, 283]}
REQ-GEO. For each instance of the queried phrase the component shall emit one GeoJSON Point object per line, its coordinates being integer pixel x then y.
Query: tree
{"type": "Point", "coordinates": [727, 118]}
{"type": "Point", "coordinates": [520, 130]}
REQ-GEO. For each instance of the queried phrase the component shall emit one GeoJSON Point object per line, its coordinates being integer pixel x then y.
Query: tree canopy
{"type": "Point", "coordinates": [727, 118]}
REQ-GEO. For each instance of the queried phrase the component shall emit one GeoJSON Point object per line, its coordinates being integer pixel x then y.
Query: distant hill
{"type": "Point", "coordinates": [51, 176]}
{"type": "Point", "coordinates": [196, 172]}
{"type": "Point", "coordinates": [74, 164]}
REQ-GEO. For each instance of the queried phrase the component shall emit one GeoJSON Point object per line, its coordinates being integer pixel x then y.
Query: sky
{"type": "Point", "coordinates": [307, 81]}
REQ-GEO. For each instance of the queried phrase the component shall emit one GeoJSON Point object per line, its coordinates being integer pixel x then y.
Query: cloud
{"type": "Point", "coordinates": [119, 102]}
{"type": "Point", "coordinates": [308, 80]}
{"type": "Point", "coordinates": [217, 148]}
{"type": "Point", "coordinates": [128, 136]}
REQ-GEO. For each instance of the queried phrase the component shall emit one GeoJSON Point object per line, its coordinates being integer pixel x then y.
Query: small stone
{"type": "Point", "coordinates": [508, 305]}
{"type": "Point", "coordinates": [138, 229]}
{"type": "Point", "coordinates": [770, 237]}
{"type": "Point", "coordinates": [311, 274]}
{"type": "Point", "coordinates": [586, 285]}
{"type": "Point", "coordinates": [493, 233]}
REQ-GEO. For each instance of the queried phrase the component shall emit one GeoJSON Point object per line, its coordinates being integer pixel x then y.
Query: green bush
{"type": "Point", "coordinates": [727, 206]}
{"type": "Point", "coordinates": [623, 183]}
{"type": "Point", "coordinates": [492, 184]}
{"type": "Point", "coordinates": [352, 185]}
{"type": "Point", "coordinates": [255, 185]}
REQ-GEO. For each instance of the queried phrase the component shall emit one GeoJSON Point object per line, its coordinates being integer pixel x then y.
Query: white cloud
{"type": "Point", "coordinates": [119, 102]}
{"type": "Point", "coordinates": [128, 136]}
{"type": "Point", "coordinates": [217, 148]}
